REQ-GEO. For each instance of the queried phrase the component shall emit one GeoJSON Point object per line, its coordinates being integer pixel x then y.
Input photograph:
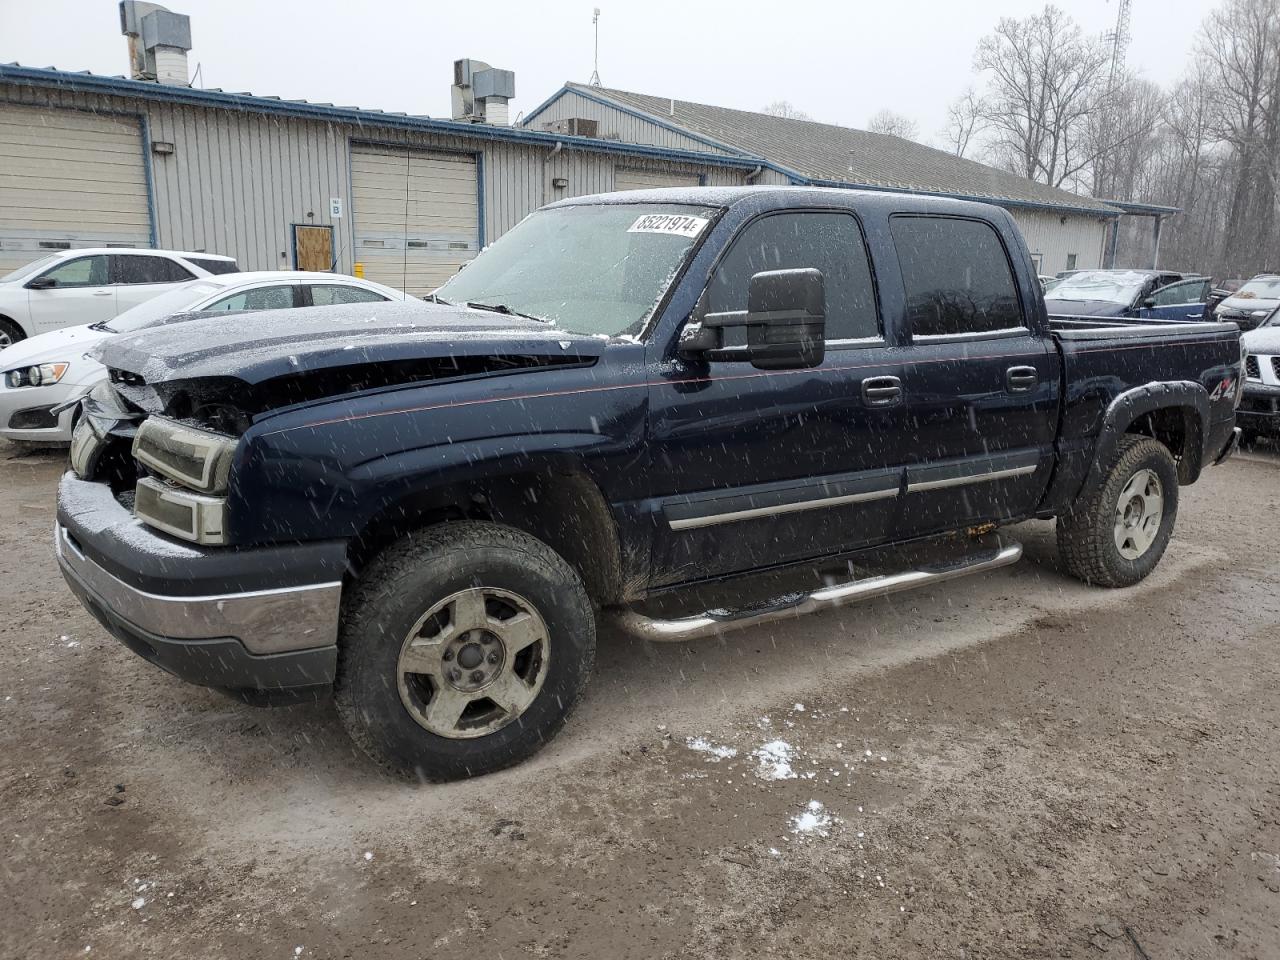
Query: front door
{"type": "Point", "coordinates": [312, 248]}
{"type": "Point", "coordinates": [81, 292]}
{"type": "Point", "coordinates": [1184, 300]}
{"type": "Point", "coordinates": [754, 467]}
{"type": "Point", "coordinates": [980, 384]}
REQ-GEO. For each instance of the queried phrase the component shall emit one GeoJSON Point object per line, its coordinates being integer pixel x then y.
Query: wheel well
{"type": "Point", "coordinates": [565, 510]}
{"type": "Point", "coordinates": [15, 326]}
{"type": "Point", "coordinates": [1179, 429]}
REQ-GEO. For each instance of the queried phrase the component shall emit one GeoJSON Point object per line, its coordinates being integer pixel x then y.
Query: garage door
{"type": "Point", "coordinates": [416, 215]}
{"type": "Point", "coordinates": [69, 179]}
{"type": "Point", "coordinates": [632, 179]}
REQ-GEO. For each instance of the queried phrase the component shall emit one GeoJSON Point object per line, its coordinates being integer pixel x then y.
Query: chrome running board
{"type": "Point", "coordinates": [715, 622]}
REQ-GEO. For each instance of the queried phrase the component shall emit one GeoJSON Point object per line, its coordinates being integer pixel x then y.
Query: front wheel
{"type": "Point", "coordinates": [463, 649]}
{"type": "Point", "coordinates": [1116, 533]}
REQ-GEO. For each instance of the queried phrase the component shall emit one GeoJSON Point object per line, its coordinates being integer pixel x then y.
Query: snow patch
{"type": "Point", "coordinates": [715, 752]}
{"type": "Point", "coordinates": [774, 760]}
{"type": "Point", "coordinates": [813, 821]}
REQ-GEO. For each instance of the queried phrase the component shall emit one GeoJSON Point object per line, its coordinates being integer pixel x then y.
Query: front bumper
{"type": "Point", "coordinates": [1259, 409]}
{"type": "Point", "coordinates": [24, 412]}
{"type": "Point", "coordinates": [256, 622]}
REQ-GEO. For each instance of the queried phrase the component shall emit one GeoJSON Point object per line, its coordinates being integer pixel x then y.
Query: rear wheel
{"type": "Point", "coordinates": [463, 650]}
{"type": "Point", "coordinates": [10, 333]}
{"type": "Point", "coordinates": [1116, 533]}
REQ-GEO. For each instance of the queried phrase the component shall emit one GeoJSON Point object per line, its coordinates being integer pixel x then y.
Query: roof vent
{"type": "Point", "coordinates": [481, 93]}
{"type": "Point", "coordinates": [158, 42]}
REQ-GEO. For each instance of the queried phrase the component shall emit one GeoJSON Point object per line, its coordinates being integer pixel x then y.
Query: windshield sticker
{"type": "Point", "coordinates": [670, 223]}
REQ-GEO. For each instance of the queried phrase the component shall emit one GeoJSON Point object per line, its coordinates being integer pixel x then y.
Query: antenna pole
{"type": "Point", "coordinates": [595, 73]}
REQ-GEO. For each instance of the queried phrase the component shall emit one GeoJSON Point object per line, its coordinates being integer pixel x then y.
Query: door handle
{"type": "Point", "coordinates": [881, 391]}
{"type": "Point", "coordinates": [1021, 379]}
{"type": "Point", "coordinates": [103, 293]}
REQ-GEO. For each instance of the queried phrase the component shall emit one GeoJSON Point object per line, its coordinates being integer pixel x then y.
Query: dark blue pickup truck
{"type": "Point", "coordinates": [425, 508]}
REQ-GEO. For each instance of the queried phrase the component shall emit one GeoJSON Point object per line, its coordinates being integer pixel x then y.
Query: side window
{"type": "Point", "coordinates": [830, 242]}
{"type": "Point", "coordinates": [1190, 291]}
{"type": "Point", "coordinates": [81, 272]}
{"type": "Point", "coordinates": [327, 294]}
{"type": "Point", "coordinates": [956, 276]}
{"type": "Point", "coordinates": [260, 298]}
{"type": "Point", "coordinates": [129, 268]}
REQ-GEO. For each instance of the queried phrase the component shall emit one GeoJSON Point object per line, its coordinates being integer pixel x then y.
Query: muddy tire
{"type": "Point", "coordinates": [1117, 531]}
{"type": "Point", "coordinates": [463, 649]}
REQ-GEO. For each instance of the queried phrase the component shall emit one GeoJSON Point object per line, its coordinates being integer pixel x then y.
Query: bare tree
{"type": "Point", "coordinates": [1044, 79]}
{"type": "Point", "coordinates": [966, 119]}
{"type": "Point", "coordinates": [785, 108]}
{"type": "Point", "coordinates": [894, 124]}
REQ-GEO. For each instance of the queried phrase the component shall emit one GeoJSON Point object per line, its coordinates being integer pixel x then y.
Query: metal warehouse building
{"type": "Point", "coordinates": [90, 160]}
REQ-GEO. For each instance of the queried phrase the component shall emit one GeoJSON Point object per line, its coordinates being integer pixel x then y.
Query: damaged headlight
{"type": "Point", "coordinates": [190, 516]}
{"type": "Point", "coordinates": [195, 458]}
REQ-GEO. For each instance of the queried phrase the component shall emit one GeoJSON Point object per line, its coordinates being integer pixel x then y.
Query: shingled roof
{"type": "Point", "coordinates": [824, 153]}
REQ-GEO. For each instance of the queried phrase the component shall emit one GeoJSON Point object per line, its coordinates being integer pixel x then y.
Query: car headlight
{"type": "Point", "coordinates": [198, 459]}
{"type": "Point", "coordinates": [38, 375]}
{"type": "Point", "coordinates": [182, 513]}
{"type": "Point", "coordinates": [1260, 313]}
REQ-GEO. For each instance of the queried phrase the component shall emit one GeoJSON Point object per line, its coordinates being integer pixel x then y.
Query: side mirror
{"type": "Point", "coordinates": [41, 283]}
{"type": "Point", "coordinates": [785, 320]}
{"type": "Point", "coordinates": [1149, 302]}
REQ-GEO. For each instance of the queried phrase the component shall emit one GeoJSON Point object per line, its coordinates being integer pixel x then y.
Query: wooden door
{"type": "Point", "coordinates": [312, 248]}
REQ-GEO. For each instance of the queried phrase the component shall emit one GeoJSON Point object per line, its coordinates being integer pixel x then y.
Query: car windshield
{"type": "Point", "coordinates": [30, 269]}
{"type": "Point", "coordinates": [589, 268]}
{"type": "Point", "coordinates": [155, 311]}
{"type": "Point", "coordinates": [1261, 288]}
{"type": "Point", "coordinates": [1105, 285]}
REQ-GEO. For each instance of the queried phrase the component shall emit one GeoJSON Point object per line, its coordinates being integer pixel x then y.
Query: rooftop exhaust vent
{"type": "Point", "coordinates": [158, 42]}
{"type": "Point", "coordinates": [481, 93]}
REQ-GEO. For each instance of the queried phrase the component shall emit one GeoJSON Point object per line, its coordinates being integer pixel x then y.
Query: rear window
{"type": "Point", "coordinates": [214, 266]}
{"type": "Point", "coordinates": [956, 276]}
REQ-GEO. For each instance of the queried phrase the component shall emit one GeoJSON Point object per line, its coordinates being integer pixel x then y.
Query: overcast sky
{"type": "Point", "coordinates": [838, 61]}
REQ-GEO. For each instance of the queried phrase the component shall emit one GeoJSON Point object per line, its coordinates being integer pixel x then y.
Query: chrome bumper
{"type": "Point", "coordinates": [264, 621]}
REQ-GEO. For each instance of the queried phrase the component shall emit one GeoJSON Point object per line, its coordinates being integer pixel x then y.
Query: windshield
{"type": "Point", "coordinates": [594, 269]}
{"type": "Point", "coordinates": [1261, 288]}
{"type": "Point", "coordinates": [155, 311]}
{"type": "Point", "coordinates": [30, 268]}
{"type": "Point", "coordinates": [1111, 287]}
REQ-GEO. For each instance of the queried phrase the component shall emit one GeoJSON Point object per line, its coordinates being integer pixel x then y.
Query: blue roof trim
{"type": "Point", "coordinates": [998, 201]}
{"type": "Point", "coordinates": [218, 99]}
{"type": "Point", "coordinates": [796, 177]}
{"type": "Point", "coordinates": [1130, 207]}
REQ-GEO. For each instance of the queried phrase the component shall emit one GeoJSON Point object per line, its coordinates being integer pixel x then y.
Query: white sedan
{"type": "Point", "coordinates": [39, 374]}
{"type": "Point", "coordinates": [74, 287]}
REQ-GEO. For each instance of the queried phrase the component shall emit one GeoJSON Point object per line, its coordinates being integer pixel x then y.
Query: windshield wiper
{"type": "Point", "coordinates": [504, 309]}
{"type": "Point", "coordinates": [434, 298]}
{"type": "Point", "coordinates": [102, 326]}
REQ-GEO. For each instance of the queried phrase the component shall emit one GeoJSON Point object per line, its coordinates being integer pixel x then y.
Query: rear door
{"type": "Point", "coordinates": [980, 383]}
{"type": "Point", "coordinates": [81, 293]}
{"type": "Point", "coordinates": [757, 467]}
{"type": "Point", "coordinates": [1184, 300]}
{"type": "Point", "coordinates": [138, 277]}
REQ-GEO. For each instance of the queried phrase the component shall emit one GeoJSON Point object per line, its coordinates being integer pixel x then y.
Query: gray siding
{"type": "Point", "coordinates": [617, 124]}
{"type": "Point", "coordinates": [1053, 236]}
{"type": "Point", "coordinates": [236, 181]}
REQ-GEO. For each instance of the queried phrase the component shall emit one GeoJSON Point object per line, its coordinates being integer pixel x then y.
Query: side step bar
{"type": "Point", "coordinates": [715, 622]}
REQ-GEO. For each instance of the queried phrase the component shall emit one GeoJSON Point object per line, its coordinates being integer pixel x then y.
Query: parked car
{"type": "Point", "coordinates": [1259, 413]}
{"type": "Point", "coordinates": [1130, 294]}
{"type": "Point", "coordinates": [1252, 302]}
{"type": "Point", "coordinates": [421, 507]}
{"type": "Point", "coordinates": [74, 287]}
{"type": "Point", "coordinates": [40, 375]}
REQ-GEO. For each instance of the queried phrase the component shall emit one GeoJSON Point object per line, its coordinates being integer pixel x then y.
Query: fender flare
{"type": "Point", "coordinates": [1134, 404]}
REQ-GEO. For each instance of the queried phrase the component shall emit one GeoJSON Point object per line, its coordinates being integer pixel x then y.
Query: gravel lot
{"type": "Point", "coordinates": [1006, 766]}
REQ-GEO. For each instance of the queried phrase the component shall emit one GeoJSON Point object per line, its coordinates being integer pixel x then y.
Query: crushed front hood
{"type": "Point", "coordinates": [266, 345]}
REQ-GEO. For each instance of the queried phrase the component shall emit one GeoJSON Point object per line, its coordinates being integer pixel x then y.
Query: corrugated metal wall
{"type": "Point", "coordinates": [1052, 237]}
{"type": "Point", "coordinates": [237, 181]}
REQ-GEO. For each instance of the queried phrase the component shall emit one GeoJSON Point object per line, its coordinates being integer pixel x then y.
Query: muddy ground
{"type": "Point", "coordinates": [1012, 766]}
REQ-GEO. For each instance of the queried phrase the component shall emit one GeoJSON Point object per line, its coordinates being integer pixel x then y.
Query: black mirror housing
{"type": "Point", "coordinates": [41, 283]}
{"type": "Point", "coordinates": [1149, 302]}
{"type": "Point", "coordinates": [786, 319]}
